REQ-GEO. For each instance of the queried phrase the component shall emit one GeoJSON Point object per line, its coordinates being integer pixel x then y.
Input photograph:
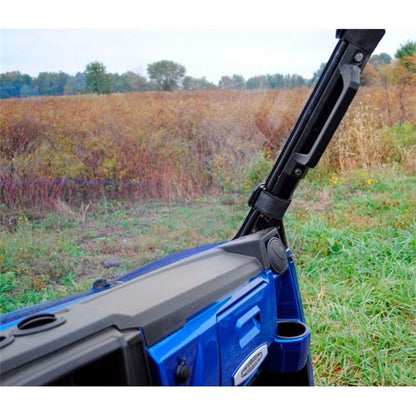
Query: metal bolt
{"type": "Point", "coordinates": [358, 57]}
{"type": "Point", "coordinates": [298, 171]}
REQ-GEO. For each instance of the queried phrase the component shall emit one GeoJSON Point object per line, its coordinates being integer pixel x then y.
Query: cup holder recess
{"type": "Point", "coordinates": [6, 340]}
{"type": "Point", "coordinates": [290, 348]}
{"type": "Point", "coordinates": [37, 323]}
{"type": "Point", "coordinates": [291, 329]}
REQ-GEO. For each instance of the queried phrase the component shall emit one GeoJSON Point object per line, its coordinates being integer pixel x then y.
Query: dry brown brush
{"type": "Point", "coordinates": [176, 145]}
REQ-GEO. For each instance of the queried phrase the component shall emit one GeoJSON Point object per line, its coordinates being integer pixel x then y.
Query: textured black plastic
{"type": "Point", "coordinates": [366, 39]}
{"type": "Point", "coordinates": [269, 204]}
{"type": "Point", "coordinates": [37, 323]}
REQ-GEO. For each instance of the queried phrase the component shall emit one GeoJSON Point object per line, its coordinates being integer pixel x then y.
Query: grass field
{"type": "Point", "coordinates": [351, 226]}
{"type": "Point", "coordinates": [179, 145]}
{"type": "Point", "coordinates": [354, 241]}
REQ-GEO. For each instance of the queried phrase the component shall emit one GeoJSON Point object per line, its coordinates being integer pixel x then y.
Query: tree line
{"type": "Point", "coordinates": [162, 76]}
{"type": "Point", "coordinates": [167, 75]}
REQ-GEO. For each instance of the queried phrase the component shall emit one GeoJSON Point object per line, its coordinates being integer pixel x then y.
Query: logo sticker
{"type": "Point", "coordinates": [250, 365]}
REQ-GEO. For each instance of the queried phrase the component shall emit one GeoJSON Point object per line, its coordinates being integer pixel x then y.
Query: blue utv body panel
{"type": "Point", "coordinates": [216, 342]}
{"type": "Point", "coordinates": [218, 339]}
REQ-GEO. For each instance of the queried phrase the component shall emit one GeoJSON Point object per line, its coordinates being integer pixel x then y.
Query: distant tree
{"type": "Point", "coordinates": [166, 75]}
{"type": "Point", "coordinates": [97, 80]}
{"type": "Point", "coordinates": [377, 61]}
{"type": "Point", "coordinates": [407, 57]}
{"type": "Point", "coordinates": [236, 82]}
{"type": "Point", "coordinates": [293, 81]}
{"type": "Point", "coordinates": [257, 82]}
{"type": "Point", "coordinates": [13, 83]}
{"type": "Point", "coordinates": [136, 81]}
{"type": "Point", "coordinates": [375, 70]}
{"type": "Point", "coordinates": [42, 83]}
{"type": "Point", "coordinates": [317, 74]}
{"type": "Point", "coordinates": [275, 81]}
{"type": "Point", "coordinates": [191, 84]}
{"type": "Point", "coordinates": [129, 82]}
{"type": "Point", "coordinates": [225, 82]}
{"type": "Point", "coordinates": [408, 49]}
{"type": "Point", "coordinates": [116, 83]}
{"type": "Point", "coordinates": [27, 90]}
{"type": "Point", "coordinates": [75, 84]}
{"type": "Point", "coordinates": [50, 83]}
{"type": "Point", "coordinates": [402, 72]}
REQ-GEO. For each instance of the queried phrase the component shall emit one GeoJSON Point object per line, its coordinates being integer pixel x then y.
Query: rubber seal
{"type": "Point", "coordinates": [277, 255]}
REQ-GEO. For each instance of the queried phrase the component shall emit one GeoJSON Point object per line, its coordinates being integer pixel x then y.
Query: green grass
{"type": "Point", "coordinates": [42, 258]}
{"type": "Point", "coordinates": [356, 256]}
{"type": "Point", "coordinates": [353, 239]}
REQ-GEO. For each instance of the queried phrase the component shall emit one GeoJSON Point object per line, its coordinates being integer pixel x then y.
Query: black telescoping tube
{"type": "Point", "coordinates": [313, 130]}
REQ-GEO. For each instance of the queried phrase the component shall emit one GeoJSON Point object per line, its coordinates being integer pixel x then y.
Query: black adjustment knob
{"type": "Point", "coordinates": [182, 372]}
{"type": "Point", "coordinates": [276, 251]}
{"type": "Point", "coordinates": [100, 284]}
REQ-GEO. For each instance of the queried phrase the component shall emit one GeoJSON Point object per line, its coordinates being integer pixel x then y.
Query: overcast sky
{"type": "Point", "coordinates": [211, 53]}
{"type": "Point", "coordinates": [223, 38]}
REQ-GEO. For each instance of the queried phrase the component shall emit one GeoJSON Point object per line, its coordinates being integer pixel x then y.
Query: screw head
{"type": "Point", "coordinates": [298, 172]}
{"type": "Point", "coordinates": [358, 57]}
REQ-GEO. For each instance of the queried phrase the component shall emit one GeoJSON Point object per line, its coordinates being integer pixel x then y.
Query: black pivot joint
{"type": "Point", "coordinates": [270, 205]}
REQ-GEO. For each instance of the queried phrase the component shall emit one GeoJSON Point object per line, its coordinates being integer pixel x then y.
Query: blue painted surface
{"type": "Point", "coordinates": [218, 339]}
{"type": "Point", "coordinates": [245, 325]}
{"type": "Point", "coordinates": [215, 342]}
{"type": "Point", "coordinates": [289, 354]}
{"type": "Point", "coordinates": [289, 302]}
